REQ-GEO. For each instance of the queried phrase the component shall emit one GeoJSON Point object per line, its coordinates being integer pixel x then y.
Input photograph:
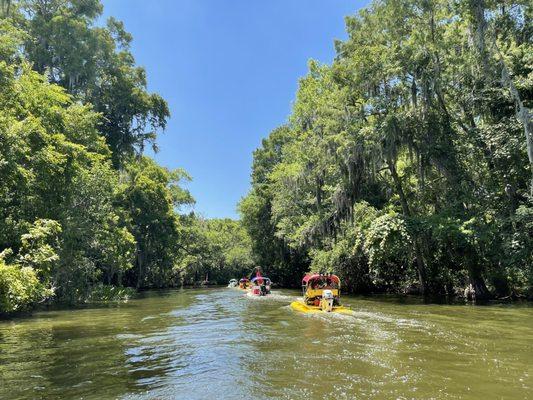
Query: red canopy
{"type": "Point", "coordinates": [311, 277]}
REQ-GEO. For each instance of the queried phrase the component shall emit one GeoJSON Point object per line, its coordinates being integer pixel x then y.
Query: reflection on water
{"type": "Point", "coordinates": [219, 343]}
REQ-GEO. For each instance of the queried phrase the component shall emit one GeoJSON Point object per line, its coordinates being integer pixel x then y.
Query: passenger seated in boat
{"type": "Point", "coordinates": [315, 287]}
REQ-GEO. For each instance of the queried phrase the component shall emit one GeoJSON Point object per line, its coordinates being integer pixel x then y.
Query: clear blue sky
{"type": "Point", "coordinates": [229, 71]}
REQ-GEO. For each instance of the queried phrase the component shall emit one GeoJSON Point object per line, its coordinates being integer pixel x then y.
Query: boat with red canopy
{"type": "Point", "coordinates": [321, 293]}
{"type": "Point", "coordinates": [260, 286]}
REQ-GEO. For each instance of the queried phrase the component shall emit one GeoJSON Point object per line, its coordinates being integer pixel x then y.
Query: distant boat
{"type": "Point", "coordinates": [233, 283]}
{"type": "Point", "coordinates": [260, 286]}
{"type": "Point", "coordinates": [244, 283]}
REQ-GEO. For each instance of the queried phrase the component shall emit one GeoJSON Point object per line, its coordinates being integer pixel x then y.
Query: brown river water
{"type": "Point", "coordinates": [220, 344]}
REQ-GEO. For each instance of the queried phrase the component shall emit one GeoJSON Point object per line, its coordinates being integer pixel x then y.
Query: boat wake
{"type": "Point", "coordinates": [273, 296]}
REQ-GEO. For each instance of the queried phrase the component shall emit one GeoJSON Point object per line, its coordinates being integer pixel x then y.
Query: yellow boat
{"type": "Point", "coordinates": [245, 284]}
{"type": "Point", "coordinates": [321, 293]}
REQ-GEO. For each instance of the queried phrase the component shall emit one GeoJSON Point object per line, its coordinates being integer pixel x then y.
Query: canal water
{"type": "Point", "coordinates": [221, 344]}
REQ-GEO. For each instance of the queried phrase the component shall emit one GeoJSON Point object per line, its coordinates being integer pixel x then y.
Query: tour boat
{"type": "Point", "coordinates": [244, 283]}
{"type": "Point", "coordinates": [321, 293]}
{"type": "Point", "coordinates": [260, 286]}
{"type": "Point", "coordinates": [233, 283]}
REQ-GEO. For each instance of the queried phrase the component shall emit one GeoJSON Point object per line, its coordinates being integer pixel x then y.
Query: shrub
{"type": "Point", "coordinates": [20, 288]}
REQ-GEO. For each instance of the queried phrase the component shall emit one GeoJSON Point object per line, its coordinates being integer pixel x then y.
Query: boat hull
{"type": "Point", "coordinates": [304, 308]}
{"type": "Point", "coordinates": [256, 291]}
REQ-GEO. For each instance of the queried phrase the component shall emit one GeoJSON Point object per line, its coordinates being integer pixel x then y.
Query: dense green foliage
{"type": "Point", "coordinates": [404, 165]}
{"type": "Point", "coordinates": [220, 250]}
{"type": "Point", "coordinates": [82, 211]}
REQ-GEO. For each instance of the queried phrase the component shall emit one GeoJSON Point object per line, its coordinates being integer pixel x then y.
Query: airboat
{"type": "Point", "coordinates": [244, 283]}
{"type": "Point", "coordinates": [321, 294]}
{"type": "Point", "coordinates": [260, 286]}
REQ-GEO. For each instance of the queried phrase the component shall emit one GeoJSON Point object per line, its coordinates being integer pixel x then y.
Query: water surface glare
{"type": "Point", "coordinates": [221, 344]}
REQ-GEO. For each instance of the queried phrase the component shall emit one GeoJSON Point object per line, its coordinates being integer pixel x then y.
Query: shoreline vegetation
{"type": "Point", "coordinates": [405, 166]}
{"type": "Point", "coordinates": [83, 213]}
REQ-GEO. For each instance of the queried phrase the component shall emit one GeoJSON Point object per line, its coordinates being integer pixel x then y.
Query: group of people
{"type": "Point", "coordinates": [257, 279]}
{"type": "Point", "coordinates": [326, 283]}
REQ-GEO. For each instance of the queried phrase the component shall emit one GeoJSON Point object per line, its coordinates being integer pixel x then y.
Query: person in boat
{"type": "Point", "coordinates": [256, 273]}
{"type": "Point", "coordinates": [262, 287]}
{"type": "Point", "coordinates": [321, 282]}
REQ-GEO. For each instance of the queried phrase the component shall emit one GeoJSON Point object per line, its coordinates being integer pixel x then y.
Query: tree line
{"type": "Point", "coordinates": [406, 164]}
{"type": "Point", "coordinates": [83, 212]}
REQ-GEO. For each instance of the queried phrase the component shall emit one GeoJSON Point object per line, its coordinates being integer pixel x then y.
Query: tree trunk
{"type": "Point", "coordinates": [6, 5]}
{"type": "Point", "coordinates": [420, 265]}
{"type": "Point", "coordinates": [477, 282]}
{"type": "Point", "coordinates": [477, 9]}
{"type": "Point", "coordinates": [139, 264]}
{"type": "Point", "coordinates": [523, 114]}
{"type": "Point", "coordinates": [478, 288]}
{"type": "Point", "coordinates": [398, 186]}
